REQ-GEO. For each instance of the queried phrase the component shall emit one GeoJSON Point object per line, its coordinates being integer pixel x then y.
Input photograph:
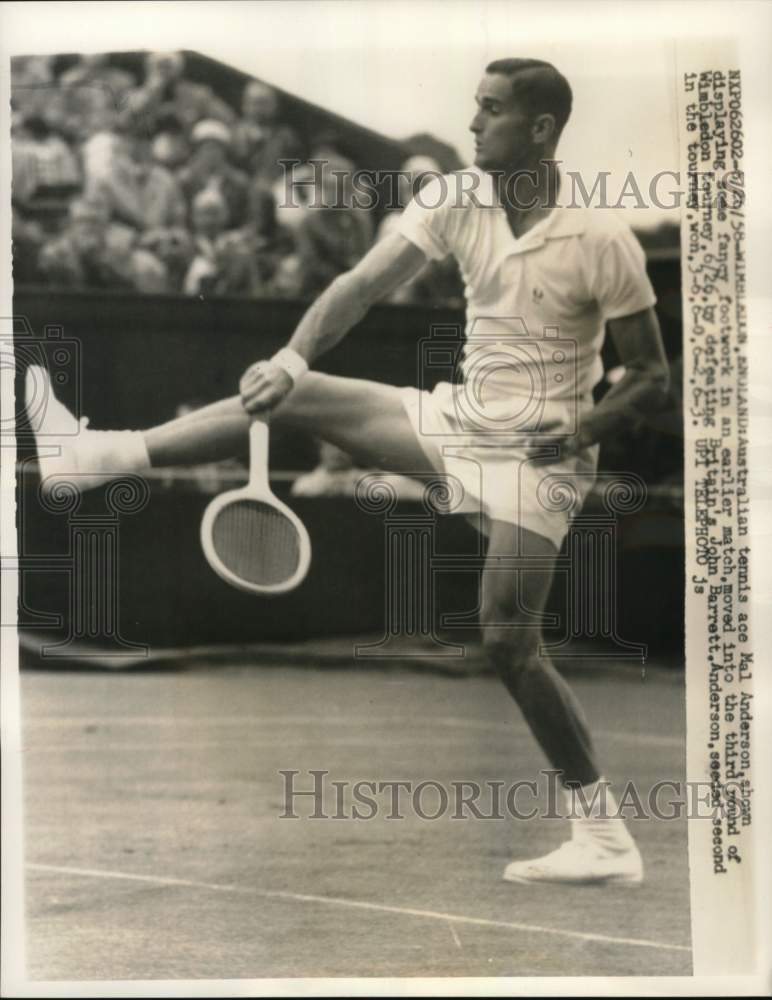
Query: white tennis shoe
{"type": "Point", "coordinates": [581, 862]}
{"type": "Point", "coordinates": [68, 452]}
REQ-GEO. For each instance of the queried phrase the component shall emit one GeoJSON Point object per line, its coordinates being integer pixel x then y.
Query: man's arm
{"type": "Point", "coordinates": [339, 308]}
{"type": "Point", "coordinates": [643, 387]}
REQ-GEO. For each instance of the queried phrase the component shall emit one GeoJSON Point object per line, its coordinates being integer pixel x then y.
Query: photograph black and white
{"type": "Point", "coordinates": [379, 473]}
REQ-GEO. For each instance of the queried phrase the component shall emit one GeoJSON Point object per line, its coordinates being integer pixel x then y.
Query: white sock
{"type": "Point", "coordinates": [68, 451]}
{"type": "Point", "coordinates": [106, 455]}
{"type": "Point", "coordinates": [594, 816]}
{"type": "Point", "coordinates": [91, 458]}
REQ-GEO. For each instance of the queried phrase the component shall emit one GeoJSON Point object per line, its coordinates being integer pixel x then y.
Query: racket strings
{"type": "Point", "coordinates": [256, 542]}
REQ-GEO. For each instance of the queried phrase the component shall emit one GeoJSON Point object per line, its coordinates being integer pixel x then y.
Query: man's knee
{"type": "Point", "coordinates": [513, 649]}
{"type": "Point", "coordinates": [304, 405]}
{"type": "Point", "coordinates": [328, 405]}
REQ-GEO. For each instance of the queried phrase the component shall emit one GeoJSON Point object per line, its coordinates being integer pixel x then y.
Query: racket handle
{"type": "Point", "coordinates": [258, 454]}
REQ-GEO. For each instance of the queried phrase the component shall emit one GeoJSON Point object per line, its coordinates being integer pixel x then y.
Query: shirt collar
{"type": "Point", "coordinates": [561, 222]}
{"type": "Point", "coordinates": [564, 221]}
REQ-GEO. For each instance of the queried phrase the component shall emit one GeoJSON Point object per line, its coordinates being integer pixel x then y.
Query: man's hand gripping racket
{"type": "Point", "coordinates": [249, 537]}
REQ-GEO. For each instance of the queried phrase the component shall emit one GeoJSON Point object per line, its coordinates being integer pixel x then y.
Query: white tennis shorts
{"type": "Point", "coordinates": [488, 475]}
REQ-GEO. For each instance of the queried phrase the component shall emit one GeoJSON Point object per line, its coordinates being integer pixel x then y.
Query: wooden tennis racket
{"type": "Point", "coordinates": [249, 537]}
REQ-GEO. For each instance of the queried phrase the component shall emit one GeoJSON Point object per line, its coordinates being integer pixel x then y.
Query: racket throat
{"type": "Point", "coordinates": [258, 456]}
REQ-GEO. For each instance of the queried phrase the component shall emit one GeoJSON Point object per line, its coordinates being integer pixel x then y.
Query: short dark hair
{"type": "Point", "coordinates": [538, 86]}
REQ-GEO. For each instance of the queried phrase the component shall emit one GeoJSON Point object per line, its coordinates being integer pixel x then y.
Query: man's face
{"type": "Point", "coordinates": [259, 104]}
{"type": "Point", "coordinates": [210, 218]}
{"type": "Point", "coordinates": [288, 279]}
{"type": "Point", "coordinates": [503, 137]}
{"type": "Point", "coordinates": [211, 154]}
{"type": "Point", "coordinates": [165, 67]}
{"type": "Point", "coordinates": [87, 230]}
{"type": "Point", "coordinates": [101, 119]}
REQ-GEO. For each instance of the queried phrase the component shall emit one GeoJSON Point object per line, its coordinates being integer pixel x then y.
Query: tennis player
{"type": "Point", "coordinates": [531, 263]}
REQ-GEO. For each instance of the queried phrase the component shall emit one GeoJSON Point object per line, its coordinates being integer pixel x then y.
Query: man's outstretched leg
{"type": "Point", "coordinates": [367, 419]}
{"type": "Point", "coordinates": [601, 849]}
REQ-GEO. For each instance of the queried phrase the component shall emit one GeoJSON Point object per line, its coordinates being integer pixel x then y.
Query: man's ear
{"type": "Point", "coordinates": [544, 128]}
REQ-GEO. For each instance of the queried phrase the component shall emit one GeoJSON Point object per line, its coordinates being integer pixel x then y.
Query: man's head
{"type": "Point", "coordinates": [209, 213]}
{"type": "Point", "coordinates": [288, 279]}
{"type": "Point", "coordinates": [164, 66]}
{"type": "Point", "coordinates": [211, 142]}
{"type": "Point", "coordinates": [170, 145]}
{"type": "Point", "coordinates": [259, 103]}
{"type": "Point", "coordinates": [522, 106]}
{"type": "Point", "coordinates": [93, 61]}
{"type": "Point", "coordinates": [89, 218]}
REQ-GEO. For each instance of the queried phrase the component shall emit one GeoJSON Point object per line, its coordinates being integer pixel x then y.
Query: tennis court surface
{"type": "Point", "coordinates": [155, 847]}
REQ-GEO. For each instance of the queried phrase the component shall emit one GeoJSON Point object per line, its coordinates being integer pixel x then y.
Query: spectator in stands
{"type": "Point", "coordinates": [93, 253]}
{"type": "Point", "coordinates": [33, 85]}
{"type": "Point", "coordinates": [326, 149]}
{"type": "Point", "coordinates": [287, 281]}
{"type": "Point", "coordinates": [262, 239]}
{"type": "Point", "coordinates": [260, 139]}
{"type": "Point", "coordinates": [42, 162]}
{"type": "Point", "coordinates": [90, 88]}
{"type": "Point", "coordinates": [103, 146]}
{"type": "Point", "coordinates": [221, 265]}
{"type": "Point", "coordinates": [165, 91]}
{"type": "Point", "coordinates": [209, 167]}
{"type": "Point", "coordinates": [336, 168]}
{"type": "Point", "coordinates": [331, 239]}
{"type": "Point", "coordinates": [292, 194]}
{"type": "Point", "coordinates": [94, 69]}
{"type": "Point", "coordinates": [138, 191]}
{"type": "Point", "coordinates": [272, 241]}
{"type": "Point", "coordinates": [236, 266]}
{"type": "Point", "coordinates": [26, 240]}
{"type": "Point", "coordinates": [170, 147]}
{"type": "Point", "coordinates": [439, 283]}
{"type": "Point", "coordinates": [239, 262]}
{"type": "Point", "coordinates": [175, 249]}
{"type": "Point", "coordinates": [209, 214]}
{"type": "Point", "coordinates": [145, 153]}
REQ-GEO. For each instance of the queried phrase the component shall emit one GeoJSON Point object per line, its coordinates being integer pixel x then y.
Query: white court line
{"type": "Point", "coordinates": [632, 739]}
{"type": "Point", "coordinates": [451, 918]}
{"type": "Point", "coordinates": [248, 742]}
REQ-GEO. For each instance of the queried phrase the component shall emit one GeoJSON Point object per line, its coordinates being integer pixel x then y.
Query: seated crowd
{"type": "Point", "coordinates": [159, 186]}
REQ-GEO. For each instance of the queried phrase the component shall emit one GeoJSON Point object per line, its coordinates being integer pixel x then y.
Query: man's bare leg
{"type": "Point", "coordinates": [366, 419]}
{"type": "Point", "coordinates": [601, 849]}
{"type": "Point", "coordinates": [511, 640]}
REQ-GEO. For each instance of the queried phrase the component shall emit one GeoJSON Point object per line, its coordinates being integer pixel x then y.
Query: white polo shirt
{"type": "Point", "coordinates": [536, 306]}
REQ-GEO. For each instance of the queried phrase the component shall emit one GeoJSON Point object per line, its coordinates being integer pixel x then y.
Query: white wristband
{"type": "Point", "coordinates": [292, 363]}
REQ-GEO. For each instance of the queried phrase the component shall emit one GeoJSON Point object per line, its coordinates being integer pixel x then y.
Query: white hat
{"type": "Point", "coordinates": [210, 128]}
